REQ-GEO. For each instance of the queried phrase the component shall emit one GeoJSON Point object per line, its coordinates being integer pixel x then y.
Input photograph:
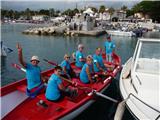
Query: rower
{"type": "Point", "coordinates": [87, 70]}
{"type": "Point", "coordinates": [33, 74]}
{"type": "Point", "coordinates": [99, 65]}
{"type": "Point", "coordinates": [80, 60]}
{"type": "Point", "coordinates": [98, 61]}
{"type": "Point", "coordinates": [55, 90]}
{"type": "Point", "coordinates": [66, 67]}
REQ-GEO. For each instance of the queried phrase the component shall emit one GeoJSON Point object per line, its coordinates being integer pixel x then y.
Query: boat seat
{"type": "Point", "coordinates": [22, 88]}
{"type": "Point", "coordinates": [65, 102]}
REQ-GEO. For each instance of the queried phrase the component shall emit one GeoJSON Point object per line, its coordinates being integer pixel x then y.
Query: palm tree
{"type": "Point", "coordinates": [102, 8]}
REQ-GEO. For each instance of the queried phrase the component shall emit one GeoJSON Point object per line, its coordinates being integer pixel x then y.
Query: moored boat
{"type": "Point", "coordinates": [17, 105]}
{"type": "Point", "coordinates": [121, 33]}
{"type": "Point", "coordinates": [139, 80]}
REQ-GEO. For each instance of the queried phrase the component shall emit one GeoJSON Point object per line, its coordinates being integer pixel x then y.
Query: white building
{"type": "Point", "coordinates": [120, 14]}
{"type": "Point", "coordinates": [40, 18]}
{"type": "Point", "coordinates": [105, 15]}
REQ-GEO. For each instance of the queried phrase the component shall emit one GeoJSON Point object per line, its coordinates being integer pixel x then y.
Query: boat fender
{"type": "Point", "coordinates": [120, 110]}
{"type": "Point", "coordinates": [126, 74]}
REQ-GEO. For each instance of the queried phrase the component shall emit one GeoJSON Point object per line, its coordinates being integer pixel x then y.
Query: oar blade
{"type": "Point", "coordinates": [52, 63]}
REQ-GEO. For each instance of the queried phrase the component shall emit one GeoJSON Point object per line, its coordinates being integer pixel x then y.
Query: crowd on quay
{"type": "Point", "coordinates": [91, 67]}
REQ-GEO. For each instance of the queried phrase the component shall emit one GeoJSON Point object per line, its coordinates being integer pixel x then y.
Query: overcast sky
{"type": "Point", "coordinates": [63, 4]}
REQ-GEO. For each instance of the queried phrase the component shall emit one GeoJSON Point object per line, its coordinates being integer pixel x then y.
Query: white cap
{"type": "Point", "coordinates": [80, 46]}
{"type": "Point", "coordinates": [35, 58]}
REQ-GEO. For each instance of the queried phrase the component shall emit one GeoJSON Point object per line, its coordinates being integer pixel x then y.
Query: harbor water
{"type": "Point", "coordinates": [53, 48]}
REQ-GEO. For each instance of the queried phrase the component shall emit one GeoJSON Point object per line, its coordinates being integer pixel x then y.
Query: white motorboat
{"type": "Point", "coordinates": [121, 33]}
{"type": "Point", "coordinates": [140, 80]}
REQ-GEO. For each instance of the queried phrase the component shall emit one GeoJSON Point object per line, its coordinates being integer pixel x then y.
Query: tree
{"type": "Point", "coordinates": [150, 8]}
{"type": "Point", "coordinates": [102, 8]}
{"type": "Point", "coordinates": [124, 8]}
{"type": "Point", "coordinates": [44, 12]}
{"type": "Point", "coordinates": [75, 11]}
{"type": "Point", "coordinates": [51, 12]}
{"type": "Point", "coordinates": [94, 9]}
{"type": "Point", "coordinates": [27, 14]}
{"type": "Point", "coordinates": [111, 11]}
{"type": "Point", "coordinates": [129, 13]}
{"type": "Point", "coordinates": [69, 12]}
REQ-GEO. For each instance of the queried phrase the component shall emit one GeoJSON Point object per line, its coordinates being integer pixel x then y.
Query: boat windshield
{"type": "Point", "coordinates": [148, 60]}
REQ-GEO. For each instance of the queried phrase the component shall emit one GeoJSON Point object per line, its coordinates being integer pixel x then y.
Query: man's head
{"type": "Point", "coordinates": [35, 60]}
{"type": "Point", "coordinates": [108, 37]}
{"type": "Point", "coordinates": [58, 70]}
{"type": "Point", "coordinates": [80, 47]}
{"type": "Point", "coordinates": [98, 51]}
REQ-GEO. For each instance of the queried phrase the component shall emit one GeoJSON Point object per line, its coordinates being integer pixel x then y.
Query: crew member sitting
{"type": "Point", "coordinates": [98, 61]}
{"type": "Point", "coordinates": [55, 88]}
{"type": "Point", "coordinates": [80, 60]}
{"type": "Point", "coordinates": [66, 67]}
{"type": "Point", "coordinates": [87, 70]}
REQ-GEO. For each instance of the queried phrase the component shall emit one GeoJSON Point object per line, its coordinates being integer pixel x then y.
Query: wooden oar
{"type": "Point", "coordinates": [50, 62]}
{"type": "Point", "coordinates": [91, 91]}
{"type": "Point", "coordinates": [18, 67]}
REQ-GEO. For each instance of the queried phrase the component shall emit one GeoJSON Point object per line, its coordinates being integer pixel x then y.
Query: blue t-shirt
{"type": "Point", "coordinates": [52, 91]}
{"type": "Point", "coordinates": [33, 74]}
{"type": "Point", "coordinates": [98, 59]}
{"type": "Point", "coordinates": [109, 46]}
{"type": "Point", "coordinates": [83, 74]}
{"type": "Point", "coordinates": [79, 55]}
{"type": "Point", "coordinates": [66, 64]}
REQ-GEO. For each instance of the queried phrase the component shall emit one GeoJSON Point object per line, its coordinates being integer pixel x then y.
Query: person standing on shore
{"type": "Point", "coordinates": [33, 74]}
{"type": "Point", "coordinates": [109, 48]}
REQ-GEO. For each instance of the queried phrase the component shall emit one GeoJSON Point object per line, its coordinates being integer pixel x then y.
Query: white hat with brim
{"type": "Point", "coordinates": [35, 58]}
{"type": "Point", "coordinates": [80, 46]}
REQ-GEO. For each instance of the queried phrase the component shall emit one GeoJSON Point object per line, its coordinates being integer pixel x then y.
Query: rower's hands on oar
{"type": "Point", "coordinates": [74, 83]}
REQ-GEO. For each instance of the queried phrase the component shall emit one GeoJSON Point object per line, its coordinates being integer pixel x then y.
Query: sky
{"type": "Point", "coordinates": [63, 4]}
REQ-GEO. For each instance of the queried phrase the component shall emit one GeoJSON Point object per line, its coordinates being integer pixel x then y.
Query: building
{"type": "Point", "coordinates": [40, 18]}
{"type": "Point", "coordinates": [105, 15]}
{"type": "Point", "coordinates": [119, 14]}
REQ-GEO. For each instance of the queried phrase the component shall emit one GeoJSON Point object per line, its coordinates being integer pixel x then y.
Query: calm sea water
{"type": "Point", "coordinates": [53, 48]}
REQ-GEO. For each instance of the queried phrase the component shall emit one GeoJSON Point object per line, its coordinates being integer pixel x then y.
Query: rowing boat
{"type": "Point", "coordinates": [16, 105]}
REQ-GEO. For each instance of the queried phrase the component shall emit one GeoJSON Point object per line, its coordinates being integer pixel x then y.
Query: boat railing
{"type": "Point", "coordinates": [131, 94]}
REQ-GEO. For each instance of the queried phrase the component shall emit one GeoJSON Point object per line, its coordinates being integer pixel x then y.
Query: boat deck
{"type": "Point", "coordinates": [30, 110]}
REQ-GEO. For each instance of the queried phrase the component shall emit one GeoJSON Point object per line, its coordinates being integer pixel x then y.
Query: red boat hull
{"type": "Point", "coordinates": [67, 108]}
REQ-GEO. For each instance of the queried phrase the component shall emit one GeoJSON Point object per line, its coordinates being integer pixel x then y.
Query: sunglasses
{"type": "Point", "coordinates": [59, 71]}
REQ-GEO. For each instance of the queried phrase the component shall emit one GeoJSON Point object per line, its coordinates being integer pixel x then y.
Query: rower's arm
{"type": "Point", "coordinates": [61, 87]}
{"type": "Point", "coordinates": [64, 70]}
{"type": "Point", "coordinates": [44, 79]}
{"type": "Point", "coordinates": [82, 59]}
{"type": "Point", "coordinates": [20, 55]}
{"type": "Point", "coordinates": [98, 66]}
{"type": "Point", "coordinates": [88, 74]}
